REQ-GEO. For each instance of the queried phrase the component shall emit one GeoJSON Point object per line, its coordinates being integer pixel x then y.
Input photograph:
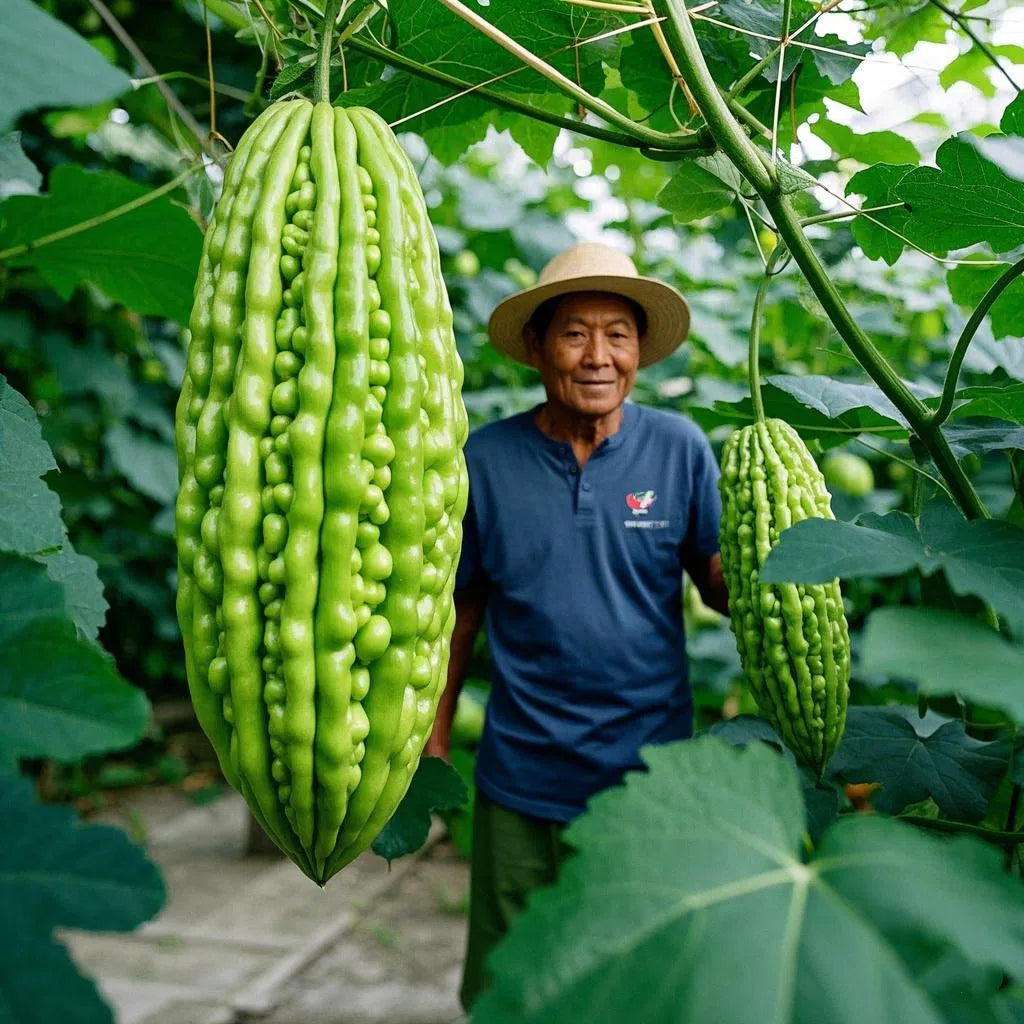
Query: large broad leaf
{"type": "Point", "coordinates": [30, 513]}
{"type": "Point", "coordinates": [869, 147]}
{"type": "Point", "coordinates": [146, 258]}
{"type": "Point", "coordinates": [29, 510]}
{"type": "Point", "coordinates": [816, 406]}
{"type": "Point", "coordinates": [694, 192]}
{"type": "Point", "coordinates": [984, 557]}
{"type": "Point", "coordinates": [965, 200]}
{"type": "Point", "coordinates": [945, 653]}
{"type": "Point", "coordinates": [436, 786]}
{"type": "Point", "coordinates": [55, 872]}
{"type": "Point", "coordinates": [878, 233]}
{"type": "Point", "coordinates": [914, 759]}
{"type": "Point", "coordinates": [983, 437]}
{"type": "Point", "coordinates": [689, 899]}
{"type": "Point", "coordinates": [998, 401]}
{"type": "Point", "coordinates": [437, 38]}
{"type": "Point", "coordinates": [60, 696]}
{"type": "Point", "coordinates": [83, 590]}
{"type": "Point", "coordinates": [43, 63]}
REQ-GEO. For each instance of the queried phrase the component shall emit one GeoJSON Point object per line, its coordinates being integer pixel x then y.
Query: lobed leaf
{"type": "Point", "coordinates": [33, 45]}
{"type": "Point", "coordinates": [688, 898]}
{"type": "Point", "coordinates": [926, 646]}
{"type": "Point", "coordinates": [913, 760]}
{"type": "Point", "coordinates": [146, 258]}
{"type": "Point", "coordinates": [436, 786]}
{"type": "Point", "coordinates": [983, 557]}
{"type": "Point", "coordinates": [55, 872]}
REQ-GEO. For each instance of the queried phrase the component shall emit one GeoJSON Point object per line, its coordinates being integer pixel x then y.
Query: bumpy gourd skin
{"type": "Point", "coordinates": [319, 434]}
{"type": "Point", "coordinates": [792, 638]}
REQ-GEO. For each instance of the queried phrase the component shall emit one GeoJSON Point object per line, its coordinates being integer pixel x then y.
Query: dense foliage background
{"type": "Point", "coordinates": [112, 145]}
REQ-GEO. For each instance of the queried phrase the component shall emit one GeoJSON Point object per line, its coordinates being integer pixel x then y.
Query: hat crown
{"type": "Point", "coordinates": [587, 259]}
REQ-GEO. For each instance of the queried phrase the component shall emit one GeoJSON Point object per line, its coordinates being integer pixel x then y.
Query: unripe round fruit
{"type": "Point", "coordinates": [848, 473]}
{"type": "Point", "coordinates": [467, 263]}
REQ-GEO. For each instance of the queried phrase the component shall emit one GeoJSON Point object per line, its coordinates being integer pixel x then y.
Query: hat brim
{"type": "Point", "coordinates": [668, 315]}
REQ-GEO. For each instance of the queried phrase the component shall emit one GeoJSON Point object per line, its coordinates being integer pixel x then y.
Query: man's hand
{"type": "Point", "coordinates": [469, 614]}
{"type": "Point", "coordinates": [707, 578]}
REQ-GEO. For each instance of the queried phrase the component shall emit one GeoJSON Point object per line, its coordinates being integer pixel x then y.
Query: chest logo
{"type": "Point", "coordinates": [639, 502]}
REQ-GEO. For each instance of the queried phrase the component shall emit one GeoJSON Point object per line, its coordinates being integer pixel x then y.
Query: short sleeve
{"type": "Point", "coordinates": [701, 541]}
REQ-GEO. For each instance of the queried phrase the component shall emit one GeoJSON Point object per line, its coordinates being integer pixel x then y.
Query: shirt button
{"type": "Point", "coordinates": [574, 470]}
{"type": "Point", "coordinates": [586, 487]}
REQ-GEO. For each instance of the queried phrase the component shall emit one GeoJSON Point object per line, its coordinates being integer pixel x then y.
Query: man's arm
{"type": "Point", "coordinates": [707, 578]}
{"type": "Point", "coordinates": [469, 614]}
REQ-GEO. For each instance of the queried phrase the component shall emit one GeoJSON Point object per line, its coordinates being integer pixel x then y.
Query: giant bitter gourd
{"type": "Point", "coordinates": [322, 483]}
{"type": "Point", "coordinates": [791, 637]}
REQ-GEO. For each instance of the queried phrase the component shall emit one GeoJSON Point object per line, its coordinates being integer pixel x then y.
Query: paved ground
{"type": "Point", "coordinates": [249, 938]}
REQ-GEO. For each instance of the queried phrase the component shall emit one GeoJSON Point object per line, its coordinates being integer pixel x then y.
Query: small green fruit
{"type": "Point", "coordinates": [848, 473]}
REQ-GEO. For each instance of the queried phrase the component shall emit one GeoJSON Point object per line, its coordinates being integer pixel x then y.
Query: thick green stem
{"type": "Point", "coordinates": [970, 328]}
{"type": "Point", "coordinates": [322, 86]}
{"type": "Point", "coordinates": [751, 163]}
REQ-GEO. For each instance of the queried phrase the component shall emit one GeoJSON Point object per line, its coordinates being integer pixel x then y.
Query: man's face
{"type": "Point", "coordinates": [589, 356]}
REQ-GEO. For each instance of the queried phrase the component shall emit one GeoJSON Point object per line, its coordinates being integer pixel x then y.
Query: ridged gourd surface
{"type": "Point", "coordinates": [319, 433]}
{"type": "Point", "coordinates": [792, 638]}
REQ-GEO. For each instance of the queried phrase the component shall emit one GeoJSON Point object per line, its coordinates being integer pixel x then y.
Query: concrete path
{"type": "Point", "coordinates": [250, 938]}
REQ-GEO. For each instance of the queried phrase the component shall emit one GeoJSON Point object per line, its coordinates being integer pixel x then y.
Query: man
{"type": "Point", "coordinates": [583, 515]}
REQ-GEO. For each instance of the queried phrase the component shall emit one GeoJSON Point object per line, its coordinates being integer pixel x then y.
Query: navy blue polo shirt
{"type": "Point", "coordinates": [582, 571]}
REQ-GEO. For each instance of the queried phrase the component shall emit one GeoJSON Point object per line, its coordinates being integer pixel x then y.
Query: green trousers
{"type": "Point", "coordinates": [512, 855]}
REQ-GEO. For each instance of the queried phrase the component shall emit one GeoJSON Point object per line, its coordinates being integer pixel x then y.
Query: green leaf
{"type": "Point", "coordinates": [1012, 121]}
{"type": "Point", "coordinates": [293, 77]}
{"type": "Point", "coordinates": [867, 148]}
{"type": "Point", "coordinates": [968, 285]}
{"type": "Point", "coordinates": [29, 510]}
{"type": "Point", "coordinates": [1000, 401]}
{"type": "Point", "coordinates": [792, 178]}
{"type": "Point", "coordinates": [689, 898]}
{"type": "Point", "coordinates": [146, 259]}
{"type": "Point", "coordinates": [57, 873]}
{"type": "Point", "coordinates": [982, 438]}
{"type": "Point", "coordinates": [975, 67]}
{"type": "Point", "coordinates": [816, 406]}
{"type": "Point", "coordinates": [914, 759]}
{"type": "Point", "coordinates": [1005, 151]}
{"type": "Point", "coordinates": [693, 193]}
{"type": "Point", "coordinates": [877, 233]}
{"type": "Point", "coordinates": [43, 63]}
{"type": "Point", "coordinates": [60, 696]}
{"type": "Point", "coordinates": [18, 175]}
{"type": "Point", "coordinates": [149, 465]}
{"type": "Point", "coordinates": [945, 653]}
{"type": "Point", "coordinates": [965, 200]}
{"type": "Point", "coordinates": [436, 786]}
{"type": "Point", "coordinates": [83, 589]}
{"type": "Point", "coordinates": [984, 557]}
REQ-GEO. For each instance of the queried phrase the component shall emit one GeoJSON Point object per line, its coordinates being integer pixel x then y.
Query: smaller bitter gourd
{"type": "Point", "coordinates": [792, 638]}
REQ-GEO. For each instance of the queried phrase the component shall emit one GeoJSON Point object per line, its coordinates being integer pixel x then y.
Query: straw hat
{"type": "Point", "coordinates": [593, 267]}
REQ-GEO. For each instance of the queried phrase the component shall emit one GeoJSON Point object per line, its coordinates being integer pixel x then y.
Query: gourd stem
{"type": "Point", "coordinates": [776, 261]}
{"type": "Point", "coordinates": [322, 87]}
